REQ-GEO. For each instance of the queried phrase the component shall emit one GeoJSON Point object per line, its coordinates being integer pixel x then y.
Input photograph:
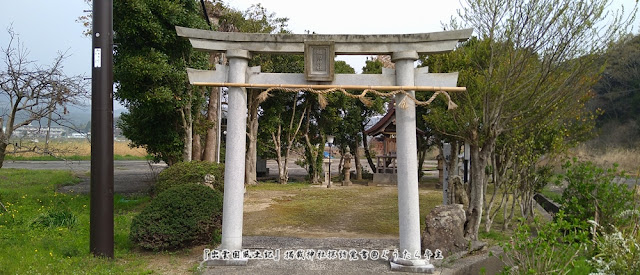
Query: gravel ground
{"type": "Point", "coordinates": [282, 266]}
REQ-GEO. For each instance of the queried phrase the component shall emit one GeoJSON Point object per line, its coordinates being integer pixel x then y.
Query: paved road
{"type": "Point", "coordinates": [134, 176]}
{"type": "Point", "coordinates": [129, 176]}
{"type": "Point", "coordinates": [631, 182]}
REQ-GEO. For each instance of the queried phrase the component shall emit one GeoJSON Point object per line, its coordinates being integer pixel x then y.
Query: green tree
{"type": "Point", "coordinates": [618, 92]}
{"type": "Point", "coordinates": [373, 66]}
{"type": "Point", "coordinates": [532, 58]}
{"type": "Point", "coordinates": [275, 141]}
{"type": "Point", "coordinates": [150, 64]}
{"type": "Point", "coordinates": [257, 19]}
{"type": "Point", "coordinates": [343, 117]}
{"type": "Point", "coordinates": [281, 120]}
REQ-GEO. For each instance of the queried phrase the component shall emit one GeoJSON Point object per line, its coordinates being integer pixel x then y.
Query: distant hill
{"type": "Point", "coordinates": [78, 115]}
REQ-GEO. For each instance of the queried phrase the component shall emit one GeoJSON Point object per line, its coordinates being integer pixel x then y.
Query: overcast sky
{"type": "Point", "coordinates": [47, 27]}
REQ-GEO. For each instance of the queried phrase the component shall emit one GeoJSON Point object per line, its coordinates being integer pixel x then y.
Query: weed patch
{"type": "Point", "coordinates": [44, 230]}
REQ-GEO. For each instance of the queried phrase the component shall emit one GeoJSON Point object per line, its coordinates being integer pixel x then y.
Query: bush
{"type": "Point", "coordinates": [549, 248]}
{"type": "Point", "coordinates": [181, 216]}
{"type": "Point", "coordinates": [190, 172]}
{"type": "Point", "coordinates": [617, 252]}
{"type": "Point", "coordinates": [591, 194]}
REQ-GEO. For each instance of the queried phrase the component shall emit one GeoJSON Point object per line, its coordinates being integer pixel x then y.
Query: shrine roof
{"type": "Point", "coordinates": [387, 125]}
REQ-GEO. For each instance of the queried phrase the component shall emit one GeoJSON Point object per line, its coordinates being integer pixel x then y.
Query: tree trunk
{"type": "Point", "coordinates": [188, 143]}
{"type": "Point", "coordinates": [505, 224]}
{"type": "Point", "coordinates": [291, 136]}
{"type": "Point", "coordinates": [422, 154]}
{"type": "Point", "coordinates": [356, 158]}
{"type": "Point", "coordinates": [283, 178]}
{"type": "Point", "coordinates": [341, 162]}
{"type": "Point", "coordinates": [187, 125]}
{"type": "Point", "coordinates": [319, 162]}
{"type": "Point", "coordinates": [211, 143]}
{"type": "Point", "coordinates": [4, 140]}
{"type": "Point", "coordinates": [526, 200]}
{"type": "Point", "coordinates": [479, 159]}
{"type": "Point", "coordinates": [474, 213]}
{"type": "Point", "coordinates": [489, 205]}
{"type": "Point", "coordinates": [46, 139]}
{"type": "Point", "coordinates": [197, 147]}
{"type": "Point", "coordinates": [508, 220]}
{"type": "Point", "coordinates": [313, 152]}
{"type": "Point", "coordinates": [250, 173]}
{"type": "Point", "coordinates": [491, 216]}
{"type": "Point", "coordinates": [453, 161]}
{"type": "Point", "coordinates": [3, 151]}
{"type": "Point", "coordinates": [367, 153]}
{"type": "Point", "coordinates": [188, 135]}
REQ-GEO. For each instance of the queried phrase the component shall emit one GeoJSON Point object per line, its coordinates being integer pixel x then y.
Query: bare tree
{"type": "Point", "coordinates": [33, 92]}
{"type": "Point", "coordinates": [539, 58]}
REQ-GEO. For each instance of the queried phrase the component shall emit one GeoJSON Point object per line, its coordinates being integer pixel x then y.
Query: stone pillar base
{"type": "Point", "coordinates": [414, 266]}
{"type": "Point", "coordinates": [235, 262]}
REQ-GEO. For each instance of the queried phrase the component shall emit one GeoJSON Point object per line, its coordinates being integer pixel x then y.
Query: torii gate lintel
{"type": "Point", "coordinates": [385, 81]}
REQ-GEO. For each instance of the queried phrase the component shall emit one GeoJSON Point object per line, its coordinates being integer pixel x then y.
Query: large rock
{"type": "Point", "coordinates": [444, 230]}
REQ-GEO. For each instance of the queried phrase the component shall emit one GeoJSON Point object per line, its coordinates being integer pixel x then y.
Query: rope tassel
{"type": "Point", "coordinates": [322, 100]}
{"type": "Point", "coordinates": [264, 96]}
{"type": "Point", "coordinates": [403, 103]}
{"type": "Point", "coordinates": [366, 101]}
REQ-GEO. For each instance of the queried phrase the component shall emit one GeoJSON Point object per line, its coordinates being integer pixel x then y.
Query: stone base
{"type": "Point", "coordinates": [238, 262]}
{"type": "Point", "coordinates": [385, 179]}
{"type": "Point", "coordinates": [346, 183]}
{"type": "Point", "coordinates": [414, 266]}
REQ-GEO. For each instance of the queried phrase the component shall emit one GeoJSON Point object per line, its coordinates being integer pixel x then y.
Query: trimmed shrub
{"type": "Point", "coordinates": [191, 172]}
{"type": "Point", "coordinates": [181, 216]}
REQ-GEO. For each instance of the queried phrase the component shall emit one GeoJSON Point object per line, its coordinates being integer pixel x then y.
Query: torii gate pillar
{"type": "Point", "coordinates": [408, 195]}
{"type": "Point", "coordinates": [236, 142]}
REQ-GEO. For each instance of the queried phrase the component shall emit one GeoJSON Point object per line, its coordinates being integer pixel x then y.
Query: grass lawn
{"type": "Point", "coordinates": [48, 232]}
{"type": "Point", "coordinates": [302, 210]}
{"type": "Point", "coordinates": [45, 231]}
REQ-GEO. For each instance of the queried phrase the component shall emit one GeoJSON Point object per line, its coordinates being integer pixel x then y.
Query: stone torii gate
{"type": "Point", "coordinates": [320, 51]}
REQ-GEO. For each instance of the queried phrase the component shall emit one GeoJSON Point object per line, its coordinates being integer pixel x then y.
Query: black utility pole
{"type": "Point", "coordinates": [101, 224]}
